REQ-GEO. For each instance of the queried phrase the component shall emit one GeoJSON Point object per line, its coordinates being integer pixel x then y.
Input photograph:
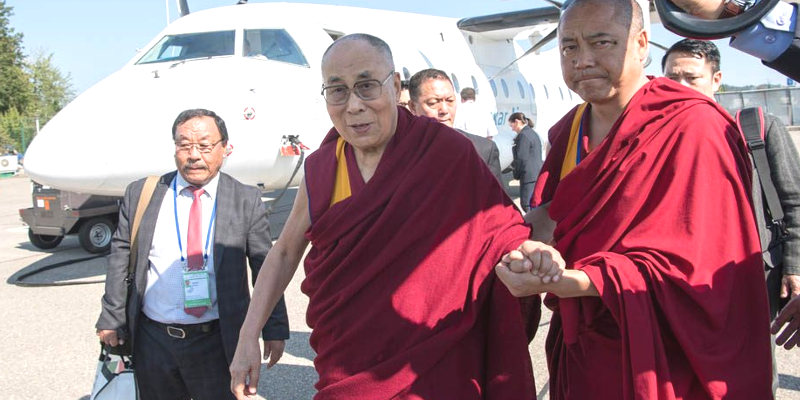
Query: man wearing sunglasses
{"type": "Point", "coordinates": [190, 293]}
{"type": "Point", "coordinates": [406, 226]}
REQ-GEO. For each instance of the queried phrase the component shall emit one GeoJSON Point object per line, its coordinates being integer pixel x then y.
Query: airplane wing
{"type": "Point", "coordinates": [519, 20]}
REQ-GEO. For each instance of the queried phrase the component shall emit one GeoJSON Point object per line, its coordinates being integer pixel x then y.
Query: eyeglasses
{"type": "Point", "coordinates": [370, 89]}
{"type": "Point", "coordinates": [201, 147]}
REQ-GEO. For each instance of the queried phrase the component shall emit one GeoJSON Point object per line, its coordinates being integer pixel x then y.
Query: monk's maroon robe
{"type": "Point", "coordinates": [659, 218]}
{"type": "Point", "coordinates": [403, 299]}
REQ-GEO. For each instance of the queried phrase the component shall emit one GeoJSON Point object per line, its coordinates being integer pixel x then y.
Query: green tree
{"type": "Point", "coordinates": [13, 126]}
{"type": "Point", "coordinates": [15, 89]}
{"type": "Point", "coordinates": [52, 90]}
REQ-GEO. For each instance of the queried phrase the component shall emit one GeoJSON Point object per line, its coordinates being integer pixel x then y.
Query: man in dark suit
{"type": "Point", "coordinates": [190, 293]}
{"type": "Point", "coordinates": [432, 95]}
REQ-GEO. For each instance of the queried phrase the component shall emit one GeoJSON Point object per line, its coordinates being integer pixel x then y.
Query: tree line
{"type": "Point", "coordinates": [31, 87]}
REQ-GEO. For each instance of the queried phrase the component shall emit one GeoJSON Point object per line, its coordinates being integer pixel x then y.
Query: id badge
{"type": "Point", "coordinates": [196, 289]}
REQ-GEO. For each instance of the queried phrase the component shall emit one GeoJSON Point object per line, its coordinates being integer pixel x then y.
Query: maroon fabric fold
{"type": "Point", "coordinates": [403, 299]}
{"type": "Point", "coordinates": [659, 218]}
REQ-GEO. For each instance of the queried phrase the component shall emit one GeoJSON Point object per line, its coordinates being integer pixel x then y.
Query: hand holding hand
{"type": "Point", "coordinates": [546, 262]}
{"type": "Point", "coordinates": [527, 270]}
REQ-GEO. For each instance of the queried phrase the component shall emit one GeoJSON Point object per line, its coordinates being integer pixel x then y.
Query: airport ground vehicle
{"type": "Point", "coordinates": [56, 213]}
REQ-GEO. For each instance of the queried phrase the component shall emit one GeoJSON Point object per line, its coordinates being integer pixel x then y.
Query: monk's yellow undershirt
{"type": "Point", "coordinates": [341, 189]}
{"type": "Point", "coordinates": [573, 147]}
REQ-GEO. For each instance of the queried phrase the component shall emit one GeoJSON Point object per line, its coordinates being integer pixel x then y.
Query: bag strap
{"type": "Point", "coordinates": [144, 199]}
{"type": "Point", "coordinates": [751, 124]}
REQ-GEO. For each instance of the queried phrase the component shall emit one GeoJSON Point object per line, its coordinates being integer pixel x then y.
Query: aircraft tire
{"type": "Point", "coordinates": [44, 242]}
{"type": "Point", "coordinates": [95, 235]}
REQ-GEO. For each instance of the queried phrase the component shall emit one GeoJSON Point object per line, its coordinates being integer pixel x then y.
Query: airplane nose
{"type": "Point", "coordinates": [101, 141]}
{"type": "Point", "coordinates": [64, 157]}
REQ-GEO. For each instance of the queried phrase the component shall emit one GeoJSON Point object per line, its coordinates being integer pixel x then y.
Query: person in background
{"type": "Point", "coordinates": [471, 118]}
{"type": "Point", "coordinates": [432, 95]}
{"type": "Point", "coordinates": [527, 157]}
{"type": "Point", "coordinates": [404, 97]}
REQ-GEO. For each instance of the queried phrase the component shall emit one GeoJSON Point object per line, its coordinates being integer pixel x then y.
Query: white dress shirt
{"type": "Point", "coordinates": [163, 297]}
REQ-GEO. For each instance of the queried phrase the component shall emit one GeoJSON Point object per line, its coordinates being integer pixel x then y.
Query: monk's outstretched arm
{"type": "Point", "coordinates": [276, 273]}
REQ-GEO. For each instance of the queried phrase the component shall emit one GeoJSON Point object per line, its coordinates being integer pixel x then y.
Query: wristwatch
{"type": "Point", "coordinates": [734, 8]}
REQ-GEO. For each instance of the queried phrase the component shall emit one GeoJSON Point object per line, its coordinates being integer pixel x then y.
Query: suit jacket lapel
{"type": "Point", "coordinates": [225, 207]}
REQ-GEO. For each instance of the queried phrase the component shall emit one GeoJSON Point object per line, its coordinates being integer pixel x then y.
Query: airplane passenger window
{"type": "Point", "coordinates": [406, 74]}
{"type": "Point", "coordinates": [455, 83]}
{"type": "Point", "coordinates": [274, 44]}
{"type": "Point", "coordinates": [494, 87]}
{"type": "Point", "coordinates": [546, 93]}
{"type": "Point", "coordinates": [474, 83]}
{"type": "Point", "coordinates": [190, 46]}
{"type": "Point", "coordinates": [521, 90]}
{"type": "Point", "coordinates": [562, 92]}
{"type": "Point", "coordinates": [505, 87]}
{"type": "Point", "coordinates": [533, 91]}
{"type": "Point", "coordinates": [570, 94]}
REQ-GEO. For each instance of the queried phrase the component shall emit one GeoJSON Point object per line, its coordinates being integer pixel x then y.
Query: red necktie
{"type": "Point", "coordinates": [194, 242]}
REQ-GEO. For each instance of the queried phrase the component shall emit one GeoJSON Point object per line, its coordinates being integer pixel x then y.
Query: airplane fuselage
{"type": "Point", "coordinates": [257, 66]}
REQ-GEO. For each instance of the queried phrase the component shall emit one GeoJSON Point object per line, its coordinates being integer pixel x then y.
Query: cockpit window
{"type": "Point", "coordinates": [190, 45]}
{"type": "Point", "coordinates": [272, 44]}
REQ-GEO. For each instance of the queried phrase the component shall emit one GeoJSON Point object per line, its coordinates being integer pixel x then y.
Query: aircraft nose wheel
{"type": "Point", "coordinates": [95, 235]}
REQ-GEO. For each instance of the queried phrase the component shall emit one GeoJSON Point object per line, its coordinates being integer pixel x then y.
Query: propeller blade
{"type": "Point", "coordinates": [550, 36]}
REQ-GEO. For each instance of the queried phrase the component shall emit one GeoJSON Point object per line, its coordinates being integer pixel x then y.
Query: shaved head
{"type": "Point", "coordinates": [627, 12]}
{"type": "Point", "coordinates": [376, 42]}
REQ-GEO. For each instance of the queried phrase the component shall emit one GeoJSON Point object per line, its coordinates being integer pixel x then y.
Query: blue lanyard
{"type": "Point", "coordinates": [579, 145]}
{"type": "Point", "coordinates": [178, 227]}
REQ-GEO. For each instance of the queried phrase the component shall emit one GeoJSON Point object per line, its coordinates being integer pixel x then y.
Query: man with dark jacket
{"type": "Point", "coordinates": [190, 293]}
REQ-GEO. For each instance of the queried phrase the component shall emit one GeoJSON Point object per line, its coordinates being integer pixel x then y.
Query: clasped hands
{"type": "Point", "coordinates": [530, 269]}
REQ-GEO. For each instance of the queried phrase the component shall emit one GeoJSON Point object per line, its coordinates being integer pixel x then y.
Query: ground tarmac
{"type": "Point", "coordinates": [48, 349]}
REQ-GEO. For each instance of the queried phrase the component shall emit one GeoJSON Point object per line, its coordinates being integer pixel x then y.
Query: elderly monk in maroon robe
{"type": "Point", "coordinates": [647, 183]}
{"type": "Point", "coordinates": [406, 224]}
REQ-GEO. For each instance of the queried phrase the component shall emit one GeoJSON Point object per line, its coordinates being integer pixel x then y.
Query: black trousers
{"type": "Point", "coordinates": [168, 368]}
{"type": "Point", "coordinates": [525, 194]}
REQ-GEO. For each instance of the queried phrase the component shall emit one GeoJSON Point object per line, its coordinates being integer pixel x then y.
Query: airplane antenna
{"type": "Point", "coordinates": [166, 3]}
{"type": "Point", "coordinates": [658, 45]}
{"type": "Point", "coordinates": [183, 7]}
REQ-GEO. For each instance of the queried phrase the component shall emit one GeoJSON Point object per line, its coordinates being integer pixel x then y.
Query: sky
{"type": "Point", "coordinates": [91, 39]}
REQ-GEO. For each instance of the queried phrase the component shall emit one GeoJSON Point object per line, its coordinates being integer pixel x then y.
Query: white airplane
{"type": "Point", "coordinates": [257, 66]}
